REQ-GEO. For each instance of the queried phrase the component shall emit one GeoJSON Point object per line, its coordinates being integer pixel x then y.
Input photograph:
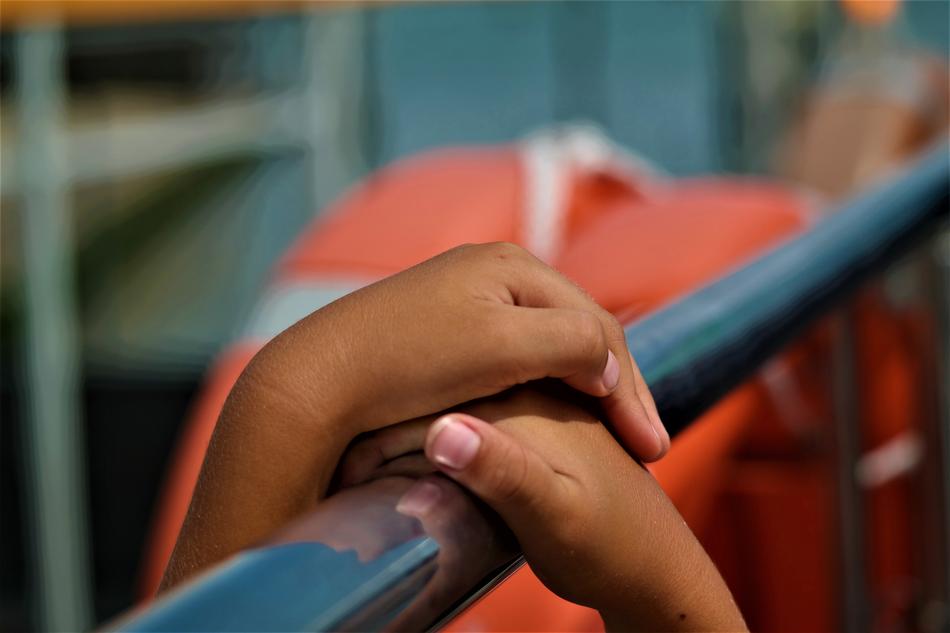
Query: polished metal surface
{"type": "Point", "coordinates": [354, 564]}
{"type": "Point", "coordinates": [357, 564]}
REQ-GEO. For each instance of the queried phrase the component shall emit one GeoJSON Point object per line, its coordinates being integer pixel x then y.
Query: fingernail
{"type": "Point", "coordinates": [454, 444]}
{"type": "Point", "coordinates": [419, 499]}
{"type": "Point", "coordinates": [611, 374]}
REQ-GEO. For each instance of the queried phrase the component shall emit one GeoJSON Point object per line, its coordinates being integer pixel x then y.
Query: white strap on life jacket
{"type": "Point", "coordinates": [551, 158]}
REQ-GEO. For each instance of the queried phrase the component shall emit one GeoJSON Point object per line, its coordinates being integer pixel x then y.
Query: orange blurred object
{"type": "Point", "coordinates": [871, 12]}
{"type": "Point", "coordinates": [84, 12]}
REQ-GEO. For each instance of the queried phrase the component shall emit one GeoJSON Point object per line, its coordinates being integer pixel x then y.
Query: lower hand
{"type": "Point", "coordinates": [593, 524]}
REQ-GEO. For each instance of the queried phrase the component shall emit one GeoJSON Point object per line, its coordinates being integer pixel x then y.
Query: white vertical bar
{"type": "Point", "coordinates": [54, 451]}
{"type": "Point", "coordinates": [332, 120]}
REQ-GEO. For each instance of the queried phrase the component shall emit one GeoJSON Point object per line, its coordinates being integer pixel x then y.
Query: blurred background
{"type": "Point", "coordinates": [159, 157]}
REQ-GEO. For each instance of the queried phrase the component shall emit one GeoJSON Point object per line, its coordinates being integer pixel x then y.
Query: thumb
{"type": "Point", "coordinates": [510, 477]}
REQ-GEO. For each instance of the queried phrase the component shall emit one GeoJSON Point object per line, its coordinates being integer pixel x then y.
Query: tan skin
{"type": "Point", "coordinates": [594, 525]}
{"type": "Point", "coordinates": [467, 324]}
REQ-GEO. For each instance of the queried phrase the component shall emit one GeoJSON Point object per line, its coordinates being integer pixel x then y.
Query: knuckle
{"type": "Point", "coordinates": [505, 250]}
{"type": "Point", "coordinates": [511, 365]}
{"type": "Point", "coordinates": [489, 252]}
{"type": "Point", "coordinates": [463, 248]}
{"type": "Point", "coordinates": [588, 333]}
{"type": "Point", "coordinates": [614, 329]}
{"type": "Point", "coordinates": [456, 253]}
{"type": "Point", "coordinates": [500, 336]}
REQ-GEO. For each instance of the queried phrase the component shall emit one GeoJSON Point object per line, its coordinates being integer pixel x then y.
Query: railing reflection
{"type": "Point", "coordinates": [353, 564]}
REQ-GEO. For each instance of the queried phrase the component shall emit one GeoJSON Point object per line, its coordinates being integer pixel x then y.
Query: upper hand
{"type": "Point", "coordinates": [469, 323]}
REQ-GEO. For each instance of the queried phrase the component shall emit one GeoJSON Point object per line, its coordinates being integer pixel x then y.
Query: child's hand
{"type": "Point", "coordinates": [469, 323]}
{"type": "Point", "coordinates": [466, 324]}
{"type": "Point", "coordinates": [593, 524]}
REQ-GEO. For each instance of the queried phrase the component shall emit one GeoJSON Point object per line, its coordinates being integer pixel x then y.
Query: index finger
{"type": "Point", "coordinates": [628, 406]}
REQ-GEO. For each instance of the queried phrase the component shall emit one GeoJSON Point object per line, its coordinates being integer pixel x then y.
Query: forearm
{"type": "Point", "coordinates": [459, 327]}
{"type": "Point", "coordinates": [609, 537]}
{"type": "Point", "coordinates": [702, 602]}
{"type": "Point", "coordinates": [270, 459]}
{"type": "Point", "coordinates": [685, 591]}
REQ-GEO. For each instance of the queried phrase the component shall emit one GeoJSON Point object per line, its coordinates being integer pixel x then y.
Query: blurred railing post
{"type": "Point", "coordinates": [53, 442]}
{"type": "Point", "coordinates": [934, 478]}
{"type": "Point", "coordinates": [852, 572]}
{"type": "Point", "coordinates": [332, 90]}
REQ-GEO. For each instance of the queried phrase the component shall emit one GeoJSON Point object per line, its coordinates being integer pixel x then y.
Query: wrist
{"type": "Point", "coordinates": [671, 582]}
{"type": "Point", "coordinates": [683, 593]}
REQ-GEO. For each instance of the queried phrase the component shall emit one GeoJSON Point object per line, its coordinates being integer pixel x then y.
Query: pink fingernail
{"type": "Point", "coordinates": [419, 499]}
{"type": "Point", "coordinates": [611, 374]}
{"type": "Point", "coordinates": [454, 444]}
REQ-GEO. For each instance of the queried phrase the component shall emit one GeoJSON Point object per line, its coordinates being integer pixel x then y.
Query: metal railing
{"type": "Point", "coordinates": [356, 564]}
